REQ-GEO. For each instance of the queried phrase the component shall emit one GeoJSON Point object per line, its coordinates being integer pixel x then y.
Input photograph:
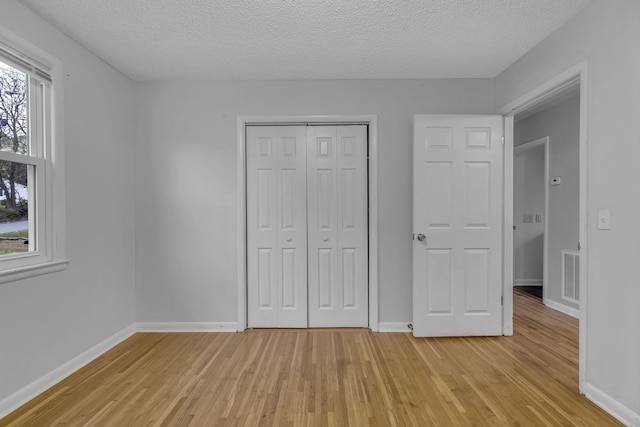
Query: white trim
{"type": "Point", "coordinates": [34, 53]}
{"type": "Point", "coordinates": [372, 122]}
{"type": "Point", "coordinates": [373, 222]}
{"type": "Point", "coordinates": [562, 308]}
{"type": "Point", "coordinates": [546, 90]}
{"type": "Point", "coordinates": [186, 327]}
{"type": "Point", "coordinates": [22, 396]}
{"type": "Point", "coordinates": [527, 282]}
{"type": "Point", "coordinates": [56, 197]}
{"type": "Point", "coordinates": [531, 145]}
{"type": "Point", "coordinates": [394, 326]}
{"type": "Point", "coordinates": [241, 225]}
{"type": "Point", "coordinates": [616, 409]}
{"type": "Point", "coordinates": [507, 243]}
{"type": "Point", "coordinates": [528, 100]}
{"type": "Point", "coordinates": [584, 220]}
{"type": "Point", "coordinates": [11, 275]}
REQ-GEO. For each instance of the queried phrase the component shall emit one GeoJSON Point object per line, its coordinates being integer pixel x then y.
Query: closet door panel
{"type": "Point", "coordinates": [351, 173]}
{"type": "Point", "coordinates": [276, 227]}
{"type": "Point", "coordinates": [337, 206]}
{"type": "Point", "coordinates": [322, 226]}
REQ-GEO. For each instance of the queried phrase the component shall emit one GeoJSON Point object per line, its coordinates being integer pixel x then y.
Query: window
{"type": "Point", "coordinates": [31, 223]}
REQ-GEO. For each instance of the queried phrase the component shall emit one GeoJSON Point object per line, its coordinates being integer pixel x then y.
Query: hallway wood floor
{"type": "Point", "coordinates": [330, 377]}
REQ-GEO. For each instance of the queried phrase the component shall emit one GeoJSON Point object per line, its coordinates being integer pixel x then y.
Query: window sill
{"type": "Point", "coordinates": [11, 275]}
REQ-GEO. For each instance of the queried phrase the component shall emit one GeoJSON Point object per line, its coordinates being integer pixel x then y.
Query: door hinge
{"type": "Point", "coordinates": [502, 300]}
{"type": "Point", "coordinates": [502, 139]}
{"type": "Point", "coordinates": [413, 236]}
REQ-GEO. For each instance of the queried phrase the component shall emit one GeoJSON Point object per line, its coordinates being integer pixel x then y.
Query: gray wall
{"type": "Point", "coordinates": [606, 34]}
{"type": "Point", "coordinates": [528, 198]}
{"type": "Point", "coordinates": [48, 320]}
{"type": "Point", "coordinates": [186, 214]}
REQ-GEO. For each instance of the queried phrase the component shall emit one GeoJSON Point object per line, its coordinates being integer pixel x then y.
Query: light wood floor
{"type": "Point", "coordinates": [330, 377]}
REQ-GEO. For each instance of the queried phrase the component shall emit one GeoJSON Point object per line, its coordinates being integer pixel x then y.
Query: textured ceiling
{"type": "Point", "coordinates": [307, 39]}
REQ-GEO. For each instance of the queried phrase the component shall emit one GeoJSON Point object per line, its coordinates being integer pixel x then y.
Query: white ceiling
{"type": "Point", "coordinates": [307, 39]}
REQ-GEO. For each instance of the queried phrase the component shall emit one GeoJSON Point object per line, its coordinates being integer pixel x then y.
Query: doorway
{"type": "Point", "coordinates": [370, 121]}
{"type": "Point", "coordinates": [547, 231]}
{"type": "Point", "coordinates": [569, 83]}
{"type": "Point", "coordinates": [530, 214]}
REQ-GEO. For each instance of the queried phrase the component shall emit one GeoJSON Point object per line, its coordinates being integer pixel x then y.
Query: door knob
{"type": "Point", "coordinates": [326, 239]}
{"type": "Point", "coordinates": [288, 239]}
{"type": "Point", "coordinates": [422, 237]}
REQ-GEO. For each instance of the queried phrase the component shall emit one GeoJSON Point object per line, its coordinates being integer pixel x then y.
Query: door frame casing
{"type": "Point", "coordinates": [371, 121]}
{"type": "Point", "coordinates": [532, 145]}
{"type": "Point", "coordinates": [578, 73]}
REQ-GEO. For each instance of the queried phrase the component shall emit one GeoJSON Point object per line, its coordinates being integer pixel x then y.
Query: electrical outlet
{"type": "Point", "coordinates": [538, 218]}
{"type": "Point", "coordinates": [527, 218]}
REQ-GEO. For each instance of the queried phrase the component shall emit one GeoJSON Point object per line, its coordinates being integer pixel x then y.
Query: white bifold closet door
{"type": "Point", "coordinates": [307, 246]}
{"type": "Point", "coordinates": [276, 226]}
{"type": "Point", "coordinates": [337, 227]}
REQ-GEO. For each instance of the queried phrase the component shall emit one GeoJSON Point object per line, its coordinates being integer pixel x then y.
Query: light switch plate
{"type": "Point", "coordinates": [604, 219]}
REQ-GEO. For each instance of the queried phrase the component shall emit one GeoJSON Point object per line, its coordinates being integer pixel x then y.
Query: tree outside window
{"type": "Point", "coordinates": [13, 175]}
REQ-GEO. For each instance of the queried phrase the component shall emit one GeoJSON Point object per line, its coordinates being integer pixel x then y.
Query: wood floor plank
{"type": "Point", "coordinates": [329, 378]}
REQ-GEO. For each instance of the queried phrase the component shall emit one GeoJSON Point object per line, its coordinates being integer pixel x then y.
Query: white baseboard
{"type": "Point", "coordinates": [527, 282]}
{"type": "Point", "coordinates": [612, 406]}
{"type": "Point", "coordinates": [22, 396]}
{"type": "Point", "coordinates": [187, 327]}
{"type": "Point", "coordinates": [562, 308]}
{"type": "Point", "coordinates": [394, 327]}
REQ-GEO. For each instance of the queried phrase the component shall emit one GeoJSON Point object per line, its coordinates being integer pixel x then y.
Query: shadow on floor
{"type": "Point", "coordinates": [534, 291]}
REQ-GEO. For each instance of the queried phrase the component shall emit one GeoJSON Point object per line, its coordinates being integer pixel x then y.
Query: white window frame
{"type": "Point", "coordinates": [45, 161]}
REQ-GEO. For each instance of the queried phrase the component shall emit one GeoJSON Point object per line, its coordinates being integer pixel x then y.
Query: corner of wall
{"type": "Point", "coordinates": [22, 396]}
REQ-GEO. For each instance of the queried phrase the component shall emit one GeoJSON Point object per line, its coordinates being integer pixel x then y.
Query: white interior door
{"type": "Point", "coordinates": [457, 219]}
{"type": "Point", "coordinates": [276, 227]}
{"type": "Point", "coordinates": [337, 228]}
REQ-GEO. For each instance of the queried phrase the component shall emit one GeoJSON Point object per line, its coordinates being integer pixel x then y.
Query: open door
{"type": "Point", "coordinates": [458, 225]}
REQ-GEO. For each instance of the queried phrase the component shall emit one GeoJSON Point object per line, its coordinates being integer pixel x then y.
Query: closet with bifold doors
{"type": "Point", "coordinates": [307, 240]}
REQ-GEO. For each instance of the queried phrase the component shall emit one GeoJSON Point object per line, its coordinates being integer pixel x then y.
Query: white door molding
{"type": "Point", "coordinates": [578, 74]}
{"type": "Point", "coordinates": [241, 189]}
